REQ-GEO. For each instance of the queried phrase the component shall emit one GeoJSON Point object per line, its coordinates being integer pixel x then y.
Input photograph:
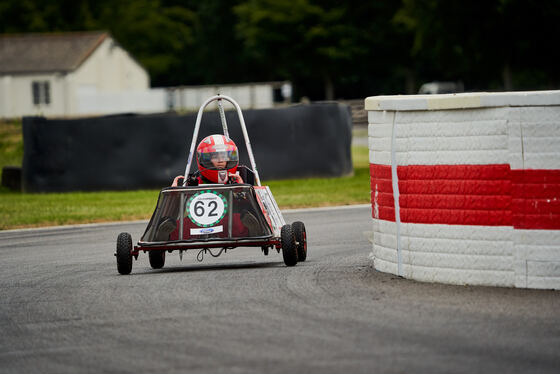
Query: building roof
{"type": "Point", "coordinates": [44, 53]}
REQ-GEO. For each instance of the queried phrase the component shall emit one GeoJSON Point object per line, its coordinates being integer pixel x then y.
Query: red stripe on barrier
{"type": "Point", "coordinates": [538, 176]}
{"type": "Point", "coordinates": [453, 172]}
{"type": "Point", "coordinates": [489, 195]}
{"type": "Point", "coordinates": [457, 216]}
{"type": "Point", "coordinates": [455, 187]}
{"type": "Point", "coordinates": [536, 199]}
{"type": "Point", "coordinates": [380, 171]}
{"type": "Point", "coordinates": [461, 202]}
{"type": "Point", "coordinates": [382, 192]}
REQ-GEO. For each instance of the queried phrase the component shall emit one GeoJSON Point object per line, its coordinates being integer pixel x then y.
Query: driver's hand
{"type": "Point", "coordinates": [176, 180]}
{"type": "Point", "coordinates": [236, 177]}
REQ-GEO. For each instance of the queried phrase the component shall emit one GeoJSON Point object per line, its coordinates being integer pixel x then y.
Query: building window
{"type": "Point", "coordinates": [41, 92]}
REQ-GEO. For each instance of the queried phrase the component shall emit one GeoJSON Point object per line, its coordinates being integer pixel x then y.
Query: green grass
{"type": "Point", "coordinates": [314, 192]}
{"type": "Point", "coordinates": [11, 143]}
{"type": "Point", "coordinates": [18, 210]}
{"type": "Point", "coordinates": [21, 210]}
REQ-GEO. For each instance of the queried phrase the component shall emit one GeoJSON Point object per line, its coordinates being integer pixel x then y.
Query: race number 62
{"type": "Point", "coordinates": [200, 210]}
{"type": "Point", "coordinates": [206, 209]}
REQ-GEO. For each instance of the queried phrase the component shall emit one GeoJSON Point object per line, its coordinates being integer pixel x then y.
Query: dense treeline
{"type": "Point", "coordinates": [327, 48]}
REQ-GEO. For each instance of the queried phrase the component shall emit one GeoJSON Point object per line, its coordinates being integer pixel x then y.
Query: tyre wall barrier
{"type": "Point", "coordinates": [148, 151]}
{"type": "Point", "coordinates": [465, 188]}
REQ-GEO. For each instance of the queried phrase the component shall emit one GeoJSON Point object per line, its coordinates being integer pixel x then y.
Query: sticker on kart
{"type": "Point", "coordinates": [206, 208]}
{"type": "Point", "coordinates": [207, 230]}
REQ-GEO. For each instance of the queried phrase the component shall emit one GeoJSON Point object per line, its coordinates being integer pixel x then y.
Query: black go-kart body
{"type": "Point", "coordinates": [209, 217]}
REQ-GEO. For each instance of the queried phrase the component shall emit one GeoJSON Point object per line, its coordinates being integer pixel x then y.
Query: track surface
{"type": "Point", "coordinates": [64, 309]}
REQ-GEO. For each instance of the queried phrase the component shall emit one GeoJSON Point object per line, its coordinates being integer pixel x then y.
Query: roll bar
{"type": "Point", "coordinates": [219, 98]}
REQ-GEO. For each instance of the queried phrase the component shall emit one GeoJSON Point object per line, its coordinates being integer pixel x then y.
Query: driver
{"type": "Point", "coordinates": [217, 158]}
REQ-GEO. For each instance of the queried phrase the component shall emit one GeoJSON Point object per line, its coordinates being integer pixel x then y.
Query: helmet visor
{"type": "Point", "coordinates": [219, 160]}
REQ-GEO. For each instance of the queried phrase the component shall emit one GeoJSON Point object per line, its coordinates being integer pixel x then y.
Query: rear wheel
{"type": "Point", "coordinates": [301, 239]}
{"type": "Point", "coordinates": [123, 254]}
{"type": "Point", "coordinates": [157, 259]}
{"type": "Point", "coordinates": [289, 249]}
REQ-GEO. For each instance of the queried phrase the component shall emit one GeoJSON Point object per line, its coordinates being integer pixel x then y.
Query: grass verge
{"type": "Point", "coordinates": [11, 143]}
{"type": "Point", "coordinates": [22, 210]}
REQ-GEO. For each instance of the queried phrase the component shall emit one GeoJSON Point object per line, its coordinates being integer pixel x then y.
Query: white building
{"type": "Point", "coordinates": [256, 95]}
{"type": "Point", "coordinates": [65, 74]}
{"type": "Point", "coordinates": [89, 73]}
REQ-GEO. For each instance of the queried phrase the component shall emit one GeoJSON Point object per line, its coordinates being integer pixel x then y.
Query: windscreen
{"type": "Point", "coordinates": [207, 213]}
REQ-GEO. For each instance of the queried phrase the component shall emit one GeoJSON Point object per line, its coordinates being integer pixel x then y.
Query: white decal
{"type": "Point", "coordinates": [207, 230]}
{"type": "Point", "coordinates": [206, 208]}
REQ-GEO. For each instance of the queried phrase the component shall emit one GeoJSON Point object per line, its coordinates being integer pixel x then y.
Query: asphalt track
{"type": "Point", "coordinates": [64, 309]}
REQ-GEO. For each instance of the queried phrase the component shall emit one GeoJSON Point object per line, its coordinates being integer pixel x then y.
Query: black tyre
{"type": "Point", "coordinates": [289, 249]}
{"type": "Point", "coordinates": [157, 259]}
{"type": "Point", "coordinates": [301, 240]}
{"type": "Point", "coordinates": [124, 257]}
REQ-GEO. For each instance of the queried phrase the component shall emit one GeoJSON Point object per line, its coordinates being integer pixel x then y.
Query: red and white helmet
{"type": "Point", "coordinates": [217, 156]}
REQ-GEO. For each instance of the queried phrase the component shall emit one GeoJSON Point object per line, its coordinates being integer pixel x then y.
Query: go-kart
{"type": "Point", "coordinates": [215, 217]}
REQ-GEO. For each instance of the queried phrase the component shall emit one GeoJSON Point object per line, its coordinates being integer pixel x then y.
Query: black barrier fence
{"type": "Point", "coordinates": [148, 151]}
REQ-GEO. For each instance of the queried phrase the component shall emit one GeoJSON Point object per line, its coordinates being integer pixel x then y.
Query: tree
{"type": "Point", "coordinates": [158, 36]}
{"type": "Point", "coordinates": [217, 54]}
{"type": "Point", "coordinates": [327, 48]}
{"type": "Point", "coordinates": [295, 38]}
{"type": "Point", "coordinates": [18, 16]}
{"type": "Point", "coordinates": [487, 43]}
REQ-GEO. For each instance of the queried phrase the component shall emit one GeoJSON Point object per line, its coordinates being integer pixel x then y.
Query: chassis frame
{"type": "Point", "coordinates": [290, 239]}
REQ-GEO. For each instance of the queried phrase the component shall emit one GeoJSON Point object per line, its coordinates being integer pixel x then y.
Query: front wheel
{"type": "Point", "coordinates": [123, 254]}
{"type": "Point", "coordinates": [301, 239]}
{"type": "Point", "coordinates": [289, 248]}
{"type": "Point", "coordinates": [157, 259]}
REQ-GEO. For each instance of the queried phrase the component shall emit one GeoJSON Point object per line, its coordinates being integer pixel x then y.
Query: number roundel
{"type": "Point", "coordinates": [206, 208]}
